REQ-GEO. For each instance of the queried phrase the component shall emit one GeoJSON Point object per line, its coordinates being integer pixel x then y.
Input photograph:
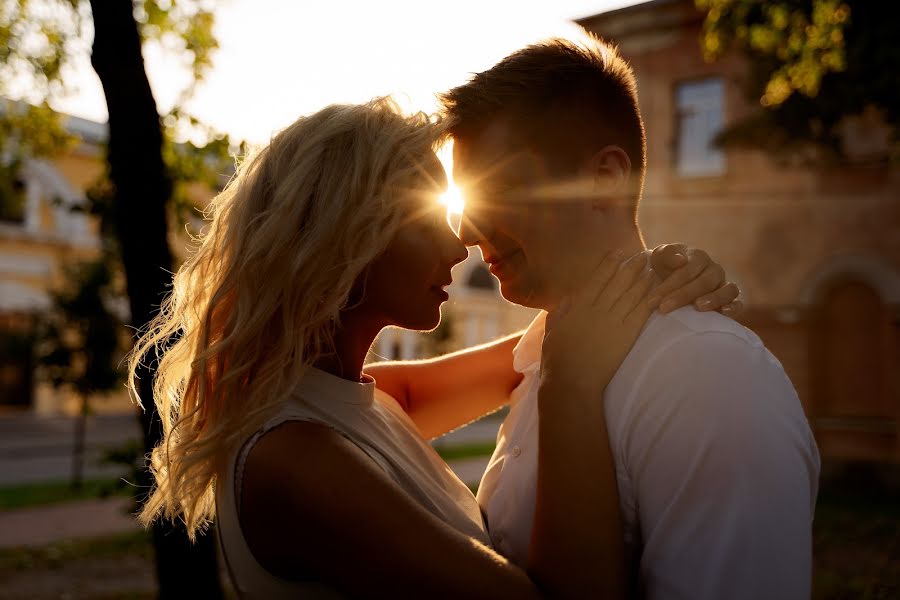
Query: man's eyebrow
{"type": "Point", "coordinates": [496, 169]}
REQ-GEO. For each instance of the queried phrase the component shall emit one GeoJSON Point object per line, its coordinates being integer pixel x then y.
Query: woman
{"type": "Point", "coordinates": [321, 484]}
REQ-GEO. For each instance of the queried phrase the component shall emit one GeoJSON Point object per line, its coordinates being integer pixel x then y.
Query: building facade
{"type": "Point", "coordinates": [39, 236]}
{"type": "Point", "coordinates": [816, 252]}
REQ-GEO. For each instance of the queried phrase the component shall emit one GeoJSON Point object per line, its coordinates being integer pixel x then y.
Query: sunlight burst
{"type": "Point", "coordinates": [453, 200]}
{"type": "Point", "coordinates": [453, 197]}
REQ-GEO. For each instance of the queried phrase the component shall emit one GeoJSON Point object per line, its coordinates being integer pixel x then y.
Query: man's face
{"type": "Point", "coordinates": [529, 234]}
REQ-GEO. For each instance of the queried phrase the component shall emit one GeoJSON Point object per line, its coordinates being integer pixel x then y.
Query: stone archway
{"type": "Point", "coordinates": [853, 372]}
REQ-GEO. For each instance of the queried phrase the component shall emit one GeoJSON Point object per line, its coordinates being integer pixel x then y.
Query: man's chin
{"type": "Point", "coordinates": [521, 295]}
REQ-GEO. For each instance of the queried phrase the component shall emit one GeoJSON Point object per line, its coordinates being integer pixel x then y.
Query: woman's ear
{"type": "Point", "coordinates": [610, 170]}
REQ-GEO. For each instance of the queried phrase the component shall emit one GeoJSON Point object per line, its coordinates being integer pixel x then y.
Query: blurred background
{"type": "Point", "coordinates": [772, 144]}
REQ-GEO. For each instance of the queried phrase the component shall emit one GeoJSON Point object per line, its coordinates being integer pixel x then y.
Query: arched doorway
{"type": "Point", "coordinates": [854, 355]}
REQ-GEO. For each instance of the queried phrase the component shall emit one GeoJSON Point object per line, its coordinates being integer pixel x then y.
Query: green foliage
{"type": "Point", "coordinates": [53, 556]}
{"type": "Point", "coordinates": [813, 63]}
{"type": "Point", "coordinates": [806, 38]}
{"type": "Point", "coordinates": [184, 28]}
{"type": "Point", "coordinates": [12, 193]}
{"type": "Point", "coordinates": [80, 341]}
{"type": "Point", "coordinates": [39, 39]}
{"type": "Point", "coordinates": [25, 131]}
{"type": "Point", "coordinates": [209, 163]}
{"type": "Point", "coordinates": [42, 494]}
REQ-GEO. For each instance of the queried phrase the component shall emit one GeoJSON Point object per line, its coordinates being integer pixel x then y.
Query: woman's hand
{"type": "Point", "coordinates": [588, 336]}
{"type": "Point", "coordinates": [691, 276]}
{"type": "Point", "coordinates": [577, 543]}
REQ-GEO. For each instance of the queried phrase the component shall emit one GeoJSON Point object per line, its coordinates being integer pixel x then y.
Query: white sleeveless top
{"type": "Point", "coordinates": [374, 422]}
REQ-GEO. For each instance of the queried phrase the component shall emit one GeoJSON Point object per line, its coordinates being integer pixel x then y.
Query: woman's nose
{"type": "Point", "coordinates": [456, 250]}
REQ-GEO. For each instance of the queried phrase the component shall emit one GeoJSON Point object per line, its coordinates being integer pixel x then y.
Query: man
{"type": "Point", "coordinates": [717, 469]}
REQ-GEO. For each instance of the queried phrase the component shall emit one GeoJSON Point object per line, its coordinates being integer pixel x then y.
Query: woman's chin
{"type": "Point", "coordinates": [423, 322]}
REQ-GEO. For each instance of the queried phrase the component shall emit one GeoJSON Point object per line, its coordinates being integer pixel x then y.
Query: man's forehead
{"type": "Point", "coordinates": [485, 151]}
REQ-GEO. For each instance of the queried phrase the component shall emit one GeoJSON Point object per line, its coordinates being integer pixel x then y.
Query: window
{"type": "Point", "coordinates": [699, 115]}
{"type": "Point", "coordinates": [12, 197]}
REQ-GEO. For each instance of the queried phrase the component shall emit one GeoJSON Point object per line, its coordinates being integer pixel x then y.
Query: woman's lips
{"type": "Point", "coordinates": [440, 293]}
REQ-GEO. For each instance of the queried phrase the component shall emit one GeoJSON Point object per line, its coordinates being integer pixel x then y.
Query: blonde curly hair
{"type": "Point", "coordinates": [259, 299]}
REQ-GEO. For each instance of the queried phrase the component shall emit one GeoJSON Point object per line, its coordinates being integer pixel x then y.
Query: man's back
{"type": "Point", "coordinates": [717, 469]}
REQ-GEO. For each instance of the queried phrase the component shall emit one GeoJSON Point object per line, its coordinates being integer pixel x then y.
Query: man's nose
{"type": "Point", "coordinates": [471, 230]}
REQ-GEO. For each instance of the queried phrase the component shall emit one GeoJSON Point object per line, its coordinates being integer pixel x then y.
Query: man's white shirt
{"type": "Point", "coordinates": [717, 468]}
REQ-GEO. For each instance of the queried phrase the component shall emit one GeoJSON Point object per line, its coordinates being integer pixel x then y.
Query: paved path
{"type": "Point", "coordinates": [42, 525]}
{"type": "Point", "coordinates": [36, 449]}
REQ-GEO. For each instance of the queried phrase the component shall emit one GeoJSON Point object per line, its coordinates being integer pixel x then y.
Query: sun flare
{"type": "Point", "coordinates": [453, 200]}
{"type": "Point", "coordinates": [453, 197]}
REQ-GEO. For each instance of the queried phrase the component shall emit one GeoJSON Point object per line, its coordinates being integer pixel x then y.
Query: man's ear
{"type": "Point", "coordinates": [610, 170]}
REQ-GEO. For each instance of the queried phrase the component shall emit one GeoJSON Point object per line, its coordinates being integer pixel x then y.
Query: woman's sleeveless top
{"type": "Point", "coordinates": [374, 422]}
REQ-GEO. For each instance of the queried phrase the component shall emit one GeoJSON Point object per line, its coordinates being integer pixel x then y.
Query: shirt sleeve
{"type": "Point", "coordinates": [725, 473]}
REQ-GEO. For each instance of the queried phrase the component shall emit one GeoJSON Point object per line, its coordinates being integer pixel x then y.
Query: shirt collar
{"type": "Point", "coordinates": [527, 353]}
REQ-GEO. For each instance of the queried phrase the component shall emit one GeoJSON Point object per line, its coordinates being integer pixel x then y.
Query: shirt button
{"type": "Point", "coordinates": [516, 451]}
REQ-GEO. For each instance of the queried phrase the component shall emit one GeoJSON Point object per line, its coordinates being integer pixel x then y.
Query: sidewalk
{"type": "Point", "coordinates": [37, 449]}
{"type": "Point", "coordinates": [42, 525]}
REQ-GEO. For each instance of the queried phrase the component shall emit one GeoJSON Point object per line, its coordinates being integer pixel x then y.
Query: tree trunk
{"type": "Point", "coordinates": [78, 442]}
{"type": "Point", "coordinates": [142, 190]}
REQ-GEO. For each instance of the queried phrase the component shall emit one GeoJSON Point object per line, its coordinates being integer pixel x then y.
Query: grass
{"type": "Point", "coordinates": [463, 451]}
{"type": "Point", "coordinates": [856, 534]}
{"type": "Point", "coordinates": [137, 543]}
{"type": "Point", "coordinates": [41, 494]}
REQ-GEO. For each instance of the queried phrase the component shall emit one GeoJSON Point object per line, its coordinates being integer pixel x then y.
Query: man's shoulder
{"type": "Point", "coordinates": [706, 369]}
{"type": "Point", "coordinates": [686, 322]}
{"type": "Point", "coordinates": [669, 337]}
{"type": "Point", "coordinates": [687, 346]}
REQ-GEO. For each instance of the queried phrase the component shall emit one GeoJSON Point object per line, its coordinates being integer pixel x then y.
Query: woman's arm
{"type": "Point", "coordinates": [450, 391]}
{"type": "Point", "coordinates": [447, 392]}
{"type": "Point", "coordinates": [314, 506]}
{"type": "Point", "coordinates": [577, 544]}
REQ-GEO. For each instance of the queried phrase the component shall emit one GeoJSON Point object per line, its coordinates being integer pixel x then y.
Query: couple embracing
{"type": "Point", "coordinates": [653, 447]}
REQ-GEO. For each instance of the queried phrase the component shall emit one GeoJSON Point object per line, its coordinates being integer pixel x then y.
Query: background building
{"type": "Point", "coordinates": [39, 233]}
{"type": "Point", "coordinates": [816, 251]}
{"type": "Point", "coordinates": [44, 227]}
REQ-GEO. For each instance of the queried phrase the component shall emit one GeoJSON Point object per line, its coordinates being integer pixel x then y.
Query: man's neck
{"type": "Point", "coordinates": [629, 242]}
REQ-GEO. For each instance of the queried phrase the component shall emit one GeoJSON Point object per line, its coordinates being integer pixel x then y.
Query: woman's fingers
{"type": "Point", "coordinates": [733, 309]}
{"type": "Point", "coordinates": [719, 299]}
{"type": "Point", "coordinates": [667, 258]}
{"type": "Point", "coordinates": [689, 285]}
{"type": "Point", "coordinates": [593, 287]}
{"type": "Point", "coordinates": [637, 317]}
{"type": "Point", "coordinates": [697, 263]}
{"type": "Point", "coordinates": [602, 275]}
{"type": "Point", "coordinates": [621, 281]}
{"type": "Point", "coordinates": [635, 295]}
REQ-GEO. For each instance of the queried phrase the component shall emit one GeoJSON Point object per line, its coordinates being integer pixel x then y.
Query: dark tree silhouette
{"type": "Point", "coordinates": [142, 189]}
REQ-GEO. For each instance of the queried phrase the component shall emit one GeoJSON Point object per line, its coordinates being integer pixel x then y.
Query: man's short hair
{"type": "Point", "coordinates": [565, 99]}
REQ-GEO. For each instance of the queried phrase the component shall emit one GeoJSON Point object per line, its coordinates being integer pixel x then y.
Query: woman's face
{"type": "Point", "coordinates": [405, 285]}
